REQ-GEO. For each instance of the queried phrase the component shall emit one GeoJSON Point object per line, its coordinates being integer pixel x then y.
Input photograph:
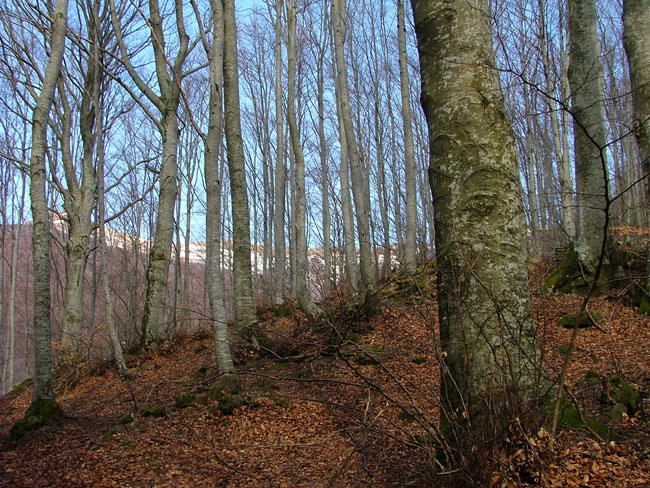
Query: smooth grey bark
{"type": "Point", "coordinates": [303, 293]}
{"type": "Point", "coordinates": [213, 181]}
{"type": "Point", "coordinates": [492, 359]}
{"type": "Point", "coordinates": [346, 208]}
{"type": "Point", "coordinates": [359, 192]}
{"type": "Point", "coordinates": [585, 74]}
{"type": "Point", "coordinates": [168, 75]}
{"type": "Point", "coordinates": [323, 152]}
{"type": "Point", "coordinates": [409, 152]}
{"type": "Point", "coordinates": [636, 26]}
{"type": "Point", "coordinates": [40, 214]}
{"type": "Point", "coordinates": [245, 313]}
{"type": "Point", "coordinates": [280, 251]}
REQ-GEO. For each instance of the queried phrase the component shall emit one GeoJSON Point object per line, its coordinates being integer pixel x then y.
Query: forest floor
{"type": "Point", "coordinates": [325, 411]}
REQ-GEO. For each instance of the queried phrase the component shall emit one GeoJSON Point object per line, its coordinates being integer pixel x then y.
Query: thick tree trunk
{"type": "Point", "coordinates": [636, 26]}
{"type": "Point", "coordinates": [492, 359]}
{"type": "Point", "coordinates": [245, 313]}
{"type": "Point", "coordinates": [154, 330]}
{"type": "Point", "coordinates": [590, 136]}
{"type": "Point", "coordinates": [40, 214]}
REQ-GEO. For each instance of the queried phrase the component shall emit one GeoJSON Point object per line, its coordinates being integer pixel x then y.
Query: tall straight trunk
{"type": "Point", "coordinates": [561, 156]}
{"type": "Point", "coordinates": [585, 75]}
{"type": "Point", "coordinates": [359, 191]}
{"type": "Point", "coordinates": [280, 252]}
{"type": "Point", "coordinates": [409, 152]}
{"type": "Point", "coordinates": [346, 204]}
{"type": "Point", "coordinates": [40, 214]}
{"type": "Point", "coordinates": [636, 25]}
{"type": "Point", "coordinates": [322, 142]}
{"type": "Point", "coordinates": [492, 360]}
{"type": "Point", "coordinates": [213, 180]}
{"type": "Point", "coordinates": [245, 313]}
{"type": "Point", "coordinates": [303, 293]}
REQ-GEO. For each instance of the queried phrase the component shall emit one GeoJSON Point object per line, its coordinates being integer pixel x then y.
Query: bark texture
{"type": "Point", "coordinates": [213, 143]}
{"type": "Point", "coordinates": [245, 313]}
{"type": "Point", "coordinates": [40, 214]}
{"type": "Point", "coordinates": [585, 74]}
{"type": "Point", "coordinates": [636, 37]}
{"type": "Point", "coordinates": [486, 324]}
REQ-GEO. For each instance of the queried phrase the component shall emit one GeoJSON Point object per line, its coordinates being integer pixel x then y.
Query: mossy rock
{"type": "Point", "coordinates": [40, 413]}
{"type": "Point", "coordinates": [419, 360]}
{"type": "Point", "coordinates": [22, 385]}
{"type": "Point", "coordinates": [407, 417]}
{"type": "Point", "coordinates": [566, 276]}
{"type": "Point", "coordinates": [617, 390]}
{"type": "Point", "coordinates": [127, 418]}
{"type": "Point", "coordinates": [226, 393]}
{"type": "Point", "coordinates": [592, 376]}
{"type": "Point", "coordinates": [282, 402]}
{"type": "Point", "coordinates": [185, 400]}
{"type": "Point", "coordinates": [617, 413]}
{"type": "Point", "coordinates": [583, 320]}
{"type": "Point", "coordinates": [157, 411]}
{"type": "Point", "coordinates": [563, 350]}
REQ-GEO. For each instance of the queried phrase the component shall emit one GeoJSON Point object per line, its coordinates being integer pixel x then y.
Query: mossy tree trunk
{"type": "Point", "coordinates": [492, 363]}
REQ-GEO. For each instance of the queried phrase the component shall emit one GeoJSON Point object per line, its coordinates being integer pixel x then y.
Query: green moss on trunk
{"type": "Point", "coordinates": [40, 413]}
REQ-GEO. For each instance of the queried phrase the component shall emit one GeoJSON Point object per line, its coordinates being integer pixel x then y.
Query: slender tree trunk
{"type": "Point", "coordinates": [586, 82]}
{"type": "Point", "coordinates": [360, 194]}
{"type": "Point", "coordinates": [409, 153]}
{"type": "Point", "coordinates": [40, 214]}
{"type": "Point", "coordinates": [245, 313]}
{"type": "Point", "coordinates": [346, 205]}
{"type": "Point", "coordinates": [280, 169]}
{"type": "Point", "coordinates": [303, 292]}
{"type": "Point", "coordinates": [492, 360]}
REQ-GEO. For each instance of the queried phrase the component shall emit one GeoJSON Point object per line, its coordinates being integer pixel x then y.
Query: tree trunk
{"type": "Point", "coordinates": [41, 221]}
{"type": "Point", "coordinates": [409, 153]}
{"type": "Point", "coordinates": [359, 192]}
{"type": "Point", "coordinates": [586, 82]}
{"type": "Point", "coordinates": [280, 252]}
{"type": "Point", "coordinates": [213, 182]}
{"type": "Point", "coordinates": [492, 359]}
{"type": "Point", "coordinates": [303, 292]}
{"type": "Point", "coordinates": [636, 25]}
{"type": "Point", "coordinates": [245, 313]}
